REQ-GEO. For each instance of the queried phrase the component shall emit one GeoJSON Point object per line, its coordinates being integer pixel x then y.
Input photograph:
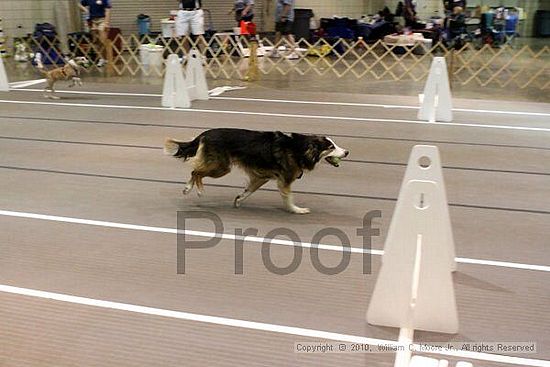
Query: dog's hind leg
{"type": "Point", "coordinates": [288, 199]}
{"type": "Point", "coordinates": [198, 175]}
{"type": "Point", "coordinates": [254, 184]}
{"type": "Point", "coordinates": [216, 171]}
{"type": "Point", "coordinates": [190, 184]}
{"type": "Point", "coordinates": [48, 89]}
{"type": "Point", "coordinates": [52, 95]}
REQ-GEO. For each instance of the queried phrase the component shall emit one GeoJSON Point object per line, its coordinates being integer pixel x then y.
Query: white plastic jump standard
{"type": "Point", "coordinates": [179, 91]}
{"type": "Point", "coordinates": [175, 93]}
{"type": "Point", "coordinates": [4, 84]}
{"type": "Point", "coordinates": [414, 289]}
{"type": "Point", "coordinates": [196, 77]}
{"type": "Point", "coordinates": [425, 164]}
{"type": "Point", "coordinates": [436, 104]}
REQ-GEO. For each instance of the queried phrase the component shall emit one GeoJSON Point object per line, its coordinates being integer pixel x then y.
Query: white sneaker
{"type": "Point", "coordinates": [102, 62]}
{"type": "Point", "coordinates": [274, 53]}
{"type": "Point", "coordinates": [292, 56]}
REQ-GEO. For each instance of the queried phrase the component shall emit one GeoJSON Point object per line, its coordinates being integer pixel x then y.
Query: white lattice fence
{"type": "Point", "coordinates": [224, 57]}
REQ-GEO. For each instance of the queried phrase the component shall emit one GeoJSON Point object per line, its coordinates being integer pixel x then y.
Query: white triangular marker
{"type": "Point", "coordinates": [4, 84]}
{"type": "Point", "coordinates": [196, 77]}
{"type": "Point", "coordinates": [436, 104]}
{"type": "Point", "coordinates": [175, 93]}
{"type": "Point", "coordinates": [428, 155]}
{"type": "Point", "coordinates": [414, 289]}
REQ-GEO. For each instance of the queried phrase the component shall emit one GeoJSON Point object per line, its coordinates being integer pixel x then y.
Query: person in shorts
{"type": "Point", "coordinates": [284, 22]}
{"type": "Point", "coordinates": [99, 20]}
{"type": "Point", "coordinates": [190, 21]}
{"type": "Point", "coordinates": [244, 10]}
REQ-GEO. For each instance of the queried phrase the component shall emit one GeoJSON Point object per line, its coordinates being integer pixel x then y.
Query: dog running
{"type": "Point", "coordinates": [263, 156]}
{"type": "Point", "coordinates": [70, 71]}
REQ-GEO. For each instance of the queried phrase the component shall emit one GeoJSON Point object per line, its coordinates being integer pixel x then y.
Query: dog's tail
{"type": "Point", "coordinates": [180, 149]}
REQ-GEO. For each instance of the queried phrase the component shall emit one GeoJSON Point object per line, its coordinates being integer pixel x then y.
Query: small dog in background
{"type": "Point", "coordinates": [70, 71]}
{"type": "Point", "coordinates": [263, 155]}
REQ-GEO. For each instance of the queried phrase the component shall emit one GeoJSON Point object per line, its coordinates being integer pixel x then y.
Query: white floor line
{"type": "Point", "coordinates": [351, 104]}
{"type": "Point", "coordinates": [252, 239]}
{"type": "Point", "coordinates": [122, 94]}
{"type": "Point", "coordinates": [260, 326]}
{"type": "Point", "coordinates": [27, 83]}
{"type": "Point", "coordinates": [250, 113]}
{"type": "Point", "coordinates": [388, 106]}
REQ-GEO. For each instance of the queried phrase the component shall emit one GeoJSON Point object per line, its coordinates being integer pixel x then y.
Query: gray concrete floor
{"type": "Point", "coordinates": [75, 159]}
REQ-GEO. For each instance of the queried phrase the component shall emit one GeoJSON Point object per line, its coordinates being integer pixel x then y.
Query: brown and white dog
{"type": "Point", "coordinates": [263, 155]}
{"type": "Point", "coordinates": [70, 71]}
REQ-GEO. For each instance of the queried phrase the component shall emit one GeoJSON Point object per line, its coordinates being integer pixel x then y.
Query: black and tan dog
{"type": "Point", "coordinates": [70, 71]}
{"type": "Point", "coordinates": [263, 156]}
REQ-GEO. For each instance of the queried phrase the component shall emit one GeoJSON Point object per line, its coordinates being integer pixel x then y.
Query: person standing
{"type": "Point", "coordinates": [284, 22]}
{"type": "Point", "coordinates": [190, 21]}
{"type": "Point", "coordinates": [451, 4]}
{"type": "Point", "coordinates": [409, 13]}
{"type": "Point", "coordinates": [244, 10]}
{"type": "Point", "coordinates": [99, 20]}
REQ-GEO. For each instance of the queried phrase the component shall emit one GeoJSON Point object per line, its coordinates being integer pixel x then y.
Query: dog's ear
{"type": "Point", "coordinates": [312, 152]}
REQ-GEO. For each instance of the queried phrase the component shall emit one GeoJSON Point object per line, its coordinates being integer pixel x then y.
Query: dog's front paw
{"type": "Point", "coordinates": [298, 210]}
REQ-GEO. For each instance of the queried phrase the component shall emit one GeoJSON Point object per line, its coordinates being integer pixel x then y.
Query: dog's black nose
{"type": "Point", "coordinates": [346, 153]}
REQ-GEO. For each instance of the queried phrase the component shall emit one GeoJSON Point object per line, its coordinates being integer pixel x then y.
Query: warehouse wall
{"type": "Point", "coordinates": [328, 8]}
{"type": "Point", "coordinates": [424, 8]}
{"type": "Point", "coordinates": [20, 16]}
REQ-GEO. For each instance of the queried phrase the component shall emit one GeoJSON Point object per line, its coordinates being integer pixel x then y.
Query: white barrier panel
{"type": "Point", "coordinates": [196, 77]}
{"type": "Point", "coordinates": [4, 84]}
{"type": "Point", "coordinates": [414, 289]}
{"type": "Point", "coordinates": [174, 92]}
{"type": "Point", "coordinates": [436, 104]}
{"type": "Point", "coordinates": [418, 361]}
{"type": "Point", "coordinates": [425, 164]}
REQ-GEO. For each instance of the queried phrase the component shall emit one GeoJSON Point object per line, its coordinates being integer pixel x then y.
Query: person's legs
{"type": "Point", "coordinates": [103, 39]}
{"type": "Point", "coordinates": [99, 39]}
{"type": "Point", "coordinates": [183, 27]}
{"type": "Point", "coordinates": [290, 40]}
{"type": "Point", "coordinates": [95, 42]}
{"type": "Point", "coordinates": [197, 28]}
{"type": "Point", "coordinates": [278, 37]}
